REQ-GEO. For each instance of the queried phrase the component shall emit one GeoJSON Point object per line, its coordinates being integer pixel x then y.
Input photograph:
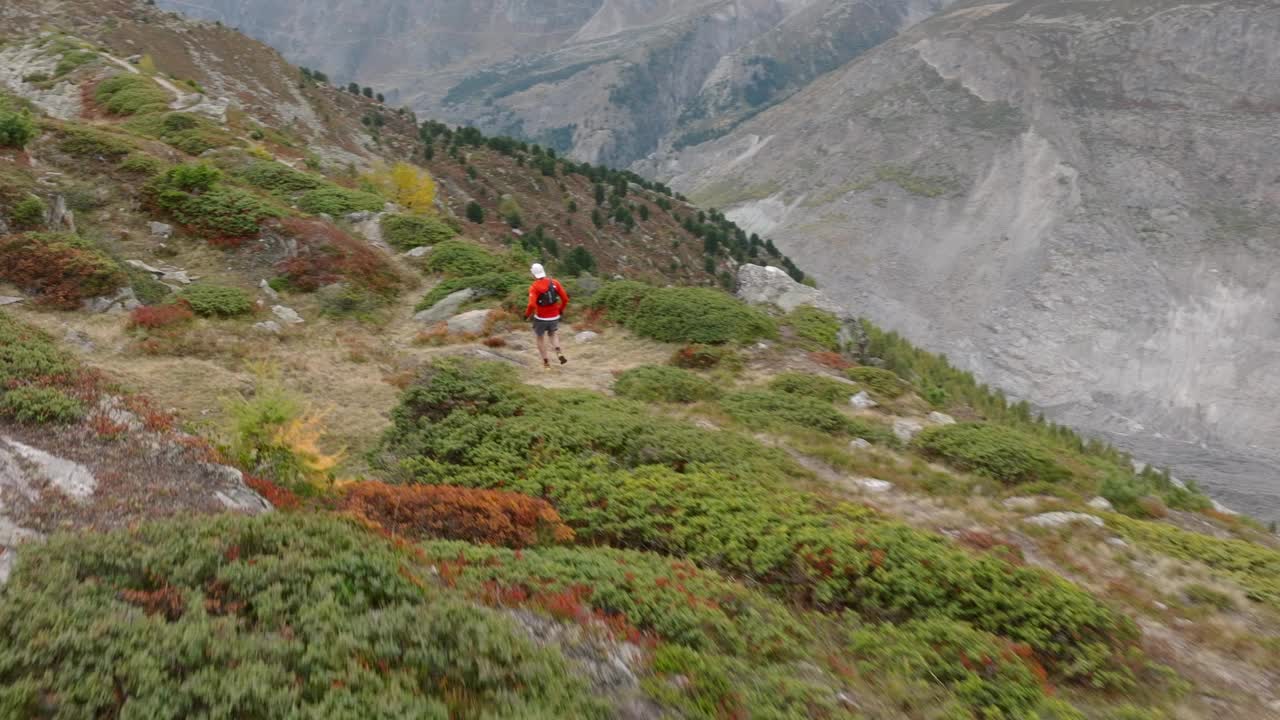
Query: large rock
{"type": "Point", "coordinates": [286, 315]}
{"type": "Point", "coordinates": [906, 429]}
{"type": "Point", "coordinates": [773, 286]}
{"type": "Point", "coordinates": [9, 300]}
{"type": "Point", "coordinates": [160, 230]}
{"type": "Point", "coordinates": [445, 308]}
{"type": "Point", "coordinates": [469, 323]}
{"type": "Point", "coordinates": [1062, 519]}
{"type": "Point", "coordinates": [122, 301]}
{"type": "Point", "coordinates": [862, 401]}
{"type": "Point", "coordinates": [586, 336]}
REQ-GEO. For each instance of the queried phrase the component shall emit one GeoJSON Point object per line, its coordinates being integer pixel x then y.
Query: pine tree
{"type": "Point", "coordinates": [475, 213]}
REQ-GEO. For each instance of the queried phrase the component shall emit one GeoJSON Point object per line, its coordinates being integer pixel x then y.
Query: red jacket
{"type": "Point", "coordinates": [550, 312]}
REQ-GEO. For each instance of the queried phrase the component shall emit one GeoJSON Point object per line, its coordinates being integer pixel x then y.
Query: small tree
{"type": "Point", "coordinates": [28, 213]}
{"type": "Point", "coordinates": [597, 218]}
{"type": "Point", "coordinates": [353, 88]}
{"type": "Point", "coordinates": [368, 92]}
{"type": "Point", "coordinates": [406, 185]}
{"type": "Point", "coordinates": [644, 213]}
{"type": "Point", "coordinates": [578, 261]}
{"type": "Point", "coordinates": [475, 213]}
{"type": "Point", "coordinates": [16, 129]}
{"type": "Point", "coordinates": [381, 98]}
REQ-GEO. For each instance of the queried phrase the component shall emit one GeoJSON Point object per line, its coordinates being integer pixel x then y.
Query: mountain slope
{"type": "Point", "coordinates": [1072, 199]}
{"type": "Point", "coordinates": [608, 82]}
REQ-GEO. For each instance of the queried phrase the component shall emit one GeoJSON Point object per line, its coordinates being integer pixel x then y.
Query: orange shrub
{"type": "Point", "coordinates": [327, 255]}
{"type": "Point", "coordinates": [831, 359]}
{"type": "Point", "coordinates": [60, 269]}
{"type": "Point", "coordinates": [438, 511]}
{"type": "Point", "coordinates": [160, 316]}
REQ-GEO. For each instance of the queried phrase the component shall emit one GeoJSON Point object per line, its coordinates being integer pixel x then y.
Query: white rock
{"type": "Point", "coordinates": [1060, 519]}
{"type": "Point", "coordinates": [420, 251]}
{"type": "Point", "coordinates": [1117, 543]}
{"type": "Point", "coordinates": [773, 286]}
{"type": "Point", "coordinates": [444, 309]}
{"type": "Point", "coordinates": [859, 444]}
{"type": "Point", "coordinates": [938, 418]}
{"type": "Point", "coordinates": [160, 230]}
{"type": "Point", "coordinates": [267, 290]}
{"type": "Point", "coordinates": [586, 336]}
{"type": "Point", "coordinates": [1159, 605]}
{"type": "Point", "coordinates": [517, 231]}
{"type": "Point", "coordinates": [863, 401]}
{"type": "Point", "coordinates": [286, 315]}
{"type": "Point", "coordinates": [270, 327]}
{"type": "Point", "coordinates": [469, 323]}
{"type": "Point", "coordinates": [1022, 503]}
{"type": "Point", "coordinates": [122, 301]}
{"type": "Point", "coordinates": [1101, 504]}
{"type": "Point", "coordinates": [873, 485]}
{"type": "Point", "coordinates": [906, 429]}
{"type": "Point", "coordinates": [1219, 507]}
{"type": "Point", "coordinates": [9, 300]}
{"type": "Point", "coordinates": [72, 478]}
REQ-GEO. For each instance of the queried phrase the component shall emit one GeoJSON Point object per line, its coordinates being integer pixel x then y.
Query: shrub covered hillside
{"type": "Point", "coordinates": [274, 442]}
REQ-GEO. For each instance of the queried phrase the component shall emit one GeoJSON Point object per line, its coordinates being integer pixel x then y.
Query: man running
{"type": "Point", "coordinates": [547, 301]}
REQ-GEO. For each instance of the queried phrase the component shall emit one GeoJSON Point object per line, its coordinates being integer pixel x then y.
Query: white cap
{"type": "Point", "coordinates": [537, 271]}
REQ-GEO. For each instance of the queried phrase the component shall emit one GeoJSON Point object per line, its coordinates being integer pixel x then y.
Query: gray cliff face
{"type": "Point", "coordinates": [1077, 200]}
{"type": "Point", "coordinates": [608, 81]}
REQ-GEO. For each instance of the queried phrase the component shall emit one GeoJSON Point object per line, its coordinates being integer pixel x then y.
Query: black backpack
{"type": "Point", "coordinates": [550, 297]}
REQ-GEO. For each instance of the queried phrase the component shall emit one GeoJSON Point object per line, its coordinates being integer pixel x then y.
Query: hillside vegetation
{"type": "Point", "coordinates": [715, 510]}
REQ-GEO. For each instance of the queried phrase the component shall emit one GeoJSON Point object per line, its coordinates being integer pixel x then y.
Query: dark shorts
{"type": "Point", "coordinates": [542, 327]}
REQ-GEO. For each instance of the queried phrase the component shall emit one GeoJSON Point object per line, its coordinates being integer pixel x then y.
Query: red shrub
{"type": "Point", "coordinates": [495, 342]}
{"type": "Point", "coordinates": [166, 600]}
{"type": "Point", "coordinates": [62, 270]}
{"type": "Point", "coordinates": [483, 516]}
{"type": "Point", "coordinates": [279, 497]}
{"type": "Point", "coordinates": [160, 316]}
{"type": "Point", "coordinates": [327, 255]}
{"type": "Point", "coordinates": [831, 360]}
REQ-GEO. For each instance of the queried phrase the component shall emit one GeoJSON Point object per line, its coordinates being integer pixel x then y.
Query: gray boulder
{"type": "Point", "coordinates": [906, 429]}
{"type": "Point", "coordinates": [938, 418]}
{"type": "Point", "coordinates": [122, 301]}
{"type": "Point", "coordinates": [469, 323]}
{"type": "Point", "coordinates": [160, 230]}
{"type": "Point", "coordinates": [1062, 519]}
{"type": "Point", "coordinates": [286, 315]}
{"type": "Point", "coordinates": [269, 327]}
{"type": "Point", "coordinates": [586, 336]}
{"type": "Point", "coordinates": [1101, 504]}
{"type": "Point", "coordinates": [9, 300]}
{"type": "Point", "coordinates": [773, 286]}
{"type": "Point", "coordinates": [859, 444]}
{"type": "Point", "coordinates": [873, 485]}
{"type": "Point", "coordinates": [446, 308]}
{"type": "Point", "coordinates": [420, 251]}
{"type": "Point", "coordinates": [267, 290]}
{"type": "Point", "coordinates": [862, 401]}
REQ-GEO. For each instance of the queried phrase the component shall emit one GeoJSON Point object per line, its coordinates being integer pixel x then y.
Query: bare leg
{"type": "Point", "coordinates": [542, 348]}
{"type": "Point", "coordinates": [555, 343]}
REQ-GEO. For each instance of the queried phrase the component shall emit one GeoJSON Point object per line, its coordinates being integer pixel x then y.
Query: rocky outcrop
{"type": "Point", "coordinates": [1074, 201]}
{"type": "Point", "coordinates": [773, 286]}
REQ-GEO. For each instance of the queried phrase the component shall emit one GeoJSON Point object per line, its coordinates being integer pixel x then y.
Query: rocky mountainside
{"type": "Point", "coordinates": [1077, 200]}
{"type": "Point", "coordinates": [607, 81]}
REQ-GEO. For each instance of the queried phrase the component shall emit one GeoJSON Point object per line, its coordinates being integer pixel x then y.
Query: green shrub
{"type": "Point", "coordinates": [217, 301]}
{"type": "Point", "coordinates": [17, 128]}
{"type": "Point", "coordinates": [86, 142]}
{"type": "Point", "coordinates": [501, 284]}
{"type": "Point", "coordinates": [28, 213]}
{"type": "Point", "coordinates": [696, 315]}
{"type": "Point", "coordinates": [193, 195]}
{"type": "Point", "coordinates": [984, 672]}
{"type": "Point", "coordinates": [141, 164]}
{"type": "Point", "coordinates": [337, 201]}
{"type": "Point", "coordinates": [880, 382]}
{"type": "Point", "coordinates": [28, 355]}
{"type": "Point", "coordinates": [760, 409]}
{"type": "Point", "coordinates": [619, 298]}
{"type": "Point", "coordinates": [1198, 594]}
{"type": "Point", "coordinates": [73, 59]}
{"type": "Point", "coordinates": [189, 133]}
{"type": "Point", "coordinates": [475, 213]}
{"type": "Point", "coordinates": [818, 387]}
{"type": "Point", "coordinates": [657, 383]}
{"type": "Point", "coordinates": [1001, 453]}
{"type": "Point", "coordinates": [146, 287]}
{"type": "Point", "coordinates": [818, 329]}
{"type": "Point", "coordinates": [1127, 490]}
{"type": "Point", "coordinates": [406, 232]}
{"type": "Point", "coordinates": [279, 178]}
{"type": "Point", "coordinates": [622, 477]}
{"type": "Point", "coordinates": [38, 405]}
{"type": "Point", "coordinates": [672, 599]}
{"type": "Point", "coordinates": [279, 616]}
{"type": "Point", "coordinates": [129, 94]}
{"type": "Point", "coordinates": [1255, 567]}
{"type": "Point", "coordinates": [461, 259]}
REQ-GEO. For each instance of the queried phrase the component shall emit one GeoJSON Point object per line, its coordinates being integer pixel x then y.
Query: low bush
{"type": "Point", "coordinates": [282, 615]}
{"type": "Point", "coordinates": [129, 94]}
{"type": "Point", "coordinates": [61, 269]}
{"type": "Point", "coordinates": [766, 409]}
{"type": "Point", "coordinates": [194, 197]}
{"type": "Point", "coordinates": [988, 676]}
{"type": "Point", "coordinates": [706, 357]}
{"type": "Point", "coordinates": [817, 329]}
{"type": "Point", "coordinates": [1001, 453]}
{"type": "Point", "coordinates": [620, 298]}
{"type": "Point", "coordinates": [141, 164]}
{"type": "Point", "coordinates": [28, 356]}
{"type": "Point", "coordinates": [17, 128]}
{"type": "Point", "coordinates": [818, 387]}
{"type": "Point", "coordinates": [669, 598]}
{"type": "Point", "coordinates": [627, 479]}
{"type": "Point", "coordinates": [338, 201]}
{"type": "Point", "coordinates": [274, 433]}
{"type": "Point", "coordinates": [501, 284]}
{"type": "Point", "coordinates": [656, 383]}
{"type": "Point", "coordinates": [697, 315]}
{"type": "Point", "coordinates": [491, 517]}
{"type": "Point", "coordinates": [217, 301]}
{"type": "Point", "coordinates": [406, 232]}
{"type": "Point", "coordinates": [463, 259]}
{"type": "Point", "coordinates": [40, 405]}
{"type": "Point", "coordinates": [85, 142]}
{"type": "Point", "coordinates": [146, 287]}
{"type": "Point", "coordinates": [327, 255]}
{"type": "Point", "coordinates": [279, 178]}
{"type": "Point", "coordinates": [1255, 567]}
{"type": "Point", "coordinates": [1132, 493]}
{"type": "Point", "coordinates": [1198, 594]}
{"type": "Point", "coordinates": [880, 382]}
{"type": "Point", "coordinates": [192, 134]}
{"type": "Point", "coordinates": [156, 317]}
{"type": "Point", "coordinates": [28, 213]}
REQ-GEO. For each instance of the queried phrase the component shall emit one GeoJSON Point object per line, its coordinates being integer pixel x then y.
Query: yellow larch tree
{"type": "Point", "coordinates": [407, 185]}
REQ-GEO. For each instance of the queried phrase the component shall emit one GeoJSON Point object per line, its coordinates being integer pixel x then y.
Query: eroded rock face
{"type": "Point", "coordinates": [1023, 188]}
{"type": "Point", "coordinates": [773, 286]}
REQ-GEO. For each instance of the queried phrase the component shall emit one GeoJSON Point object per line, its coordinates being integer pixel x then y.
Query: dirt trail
{"type": "Point", "coordinates": [183, 100]}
